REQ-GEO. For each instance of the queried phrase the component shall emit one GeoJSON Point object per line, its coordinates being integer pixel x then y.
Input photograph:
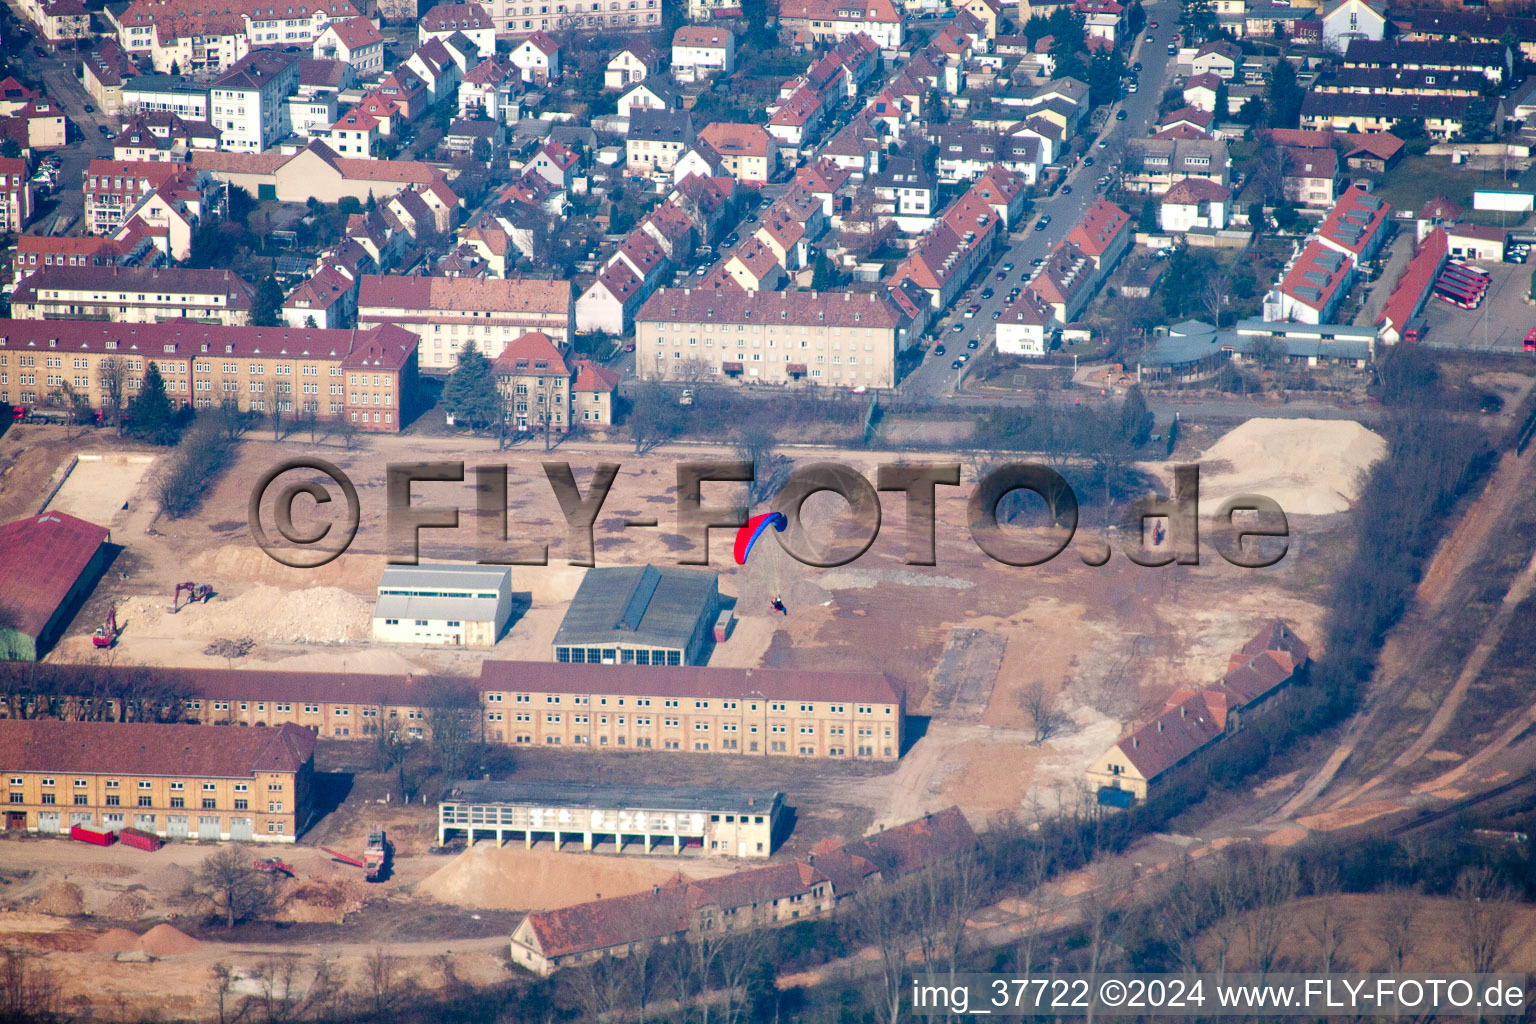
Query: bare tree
{"type": "Point", "coordinates": [1396, 927]}
{"type": "Point", "coordinates": [227, 885]}
{"type": "Point", "coordinates": [28, 991]}
{"type": "Point", "coordinates": [455, 721]}
{"type": "Point", "coordinates": [879, 919]}
{"type": "Point", "coordinates": [1045, 716]}
{"type": "Point", "coordinates": [1272, 883]}
{"type": "Point", "coordinates": [1214, 293]}
{"type": "Point", "coordinates": [1488, 934]}
{"type": "Point", "coordinates": [381, 975]}
{"type": "Point", "coordinates": [112, 378]}
{"type": "Point", "coordinates": [757, 446]}
{"type": "Point", "coordinates": [223, 983]}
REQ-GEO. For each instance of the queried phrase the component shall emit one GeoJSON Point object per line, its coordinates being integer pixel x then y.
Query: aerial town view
{"type": "Point", "coordinates": [790, 510]}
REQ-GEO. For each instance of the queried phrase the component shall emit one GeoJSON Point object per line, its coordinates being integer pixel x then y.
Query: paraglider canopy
{"type": "Point", "coordinates": [748, 534]}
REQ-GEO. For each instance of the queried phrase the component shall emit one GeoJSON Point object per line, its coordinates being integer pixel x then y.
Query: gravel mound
{"type": "Point", "coordinates": [126, 906]}
{"type": "Point", "coordinates": [61, 899]}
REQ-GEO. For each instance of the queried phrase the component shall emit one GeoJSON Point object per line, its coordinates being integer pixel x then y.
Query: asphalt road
{"type": "Point", "coordinates": [936, 377]}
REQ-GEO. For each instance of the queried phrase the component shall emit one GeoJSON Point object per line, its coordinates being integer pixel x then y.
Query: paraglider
{"type": "Point", "coordinates": [747, 536]}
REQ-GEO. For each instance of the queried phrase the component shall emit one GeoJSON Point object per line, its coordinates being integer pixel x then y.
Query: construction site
{"type": "Point", "coordinates": [979, 648]}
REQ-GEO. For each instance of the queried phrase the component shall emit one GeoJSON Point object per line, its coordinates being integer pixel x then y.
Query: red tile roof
{"type": "Point", "coordinates": [531, 353]}
{"type": "Point", "coordinates": [685, 681]}
{"type": "Point", "coordinates": [1413, 287]}
{"type": "Point", "coordinates": [41, 557]}
{"type": "Point", "coordinates": [1356, 222]}
{"type": "Point", "coordinates": [591, 377]}
{"type": "Point", "coordinates": [143, 749]}
{"type": "Point", "coordinates": [1102, 224]}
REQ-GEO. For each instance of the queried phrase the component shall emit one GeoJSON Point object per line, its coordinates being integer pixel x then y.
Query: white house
{"type": "Point", "coordinates": [1193, 203]}
{"type": "Point", "coordinates": [248, 103]}
{"type": "Point", "coordinates": [354, 41]}
{"type": "Point", "coordinates": [471, 19]}
{"type": "Point", "coordinates": [699, 52]}
{"type": "Point", "coordinates": [651, 94]}
{"type": "Point", "coordinates": [1346, 20]}
{"type": "Point", "coordinates": [635, 63]}
{"type": "Point", "coordinates": [1025, 327]}
{"type": "Point", "coordinates": [537, 58]}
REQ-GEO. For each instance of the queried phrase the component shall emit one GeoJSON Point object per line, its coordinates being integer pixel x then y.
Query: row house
{"type": "Point", "coordinates": [367, 376]}
{"type": "Point", "coordinates": [1152, 166]}
{"type": "Point", "coordinates": [448, 314]}
{"type": "Point", "coordinates": [327, 298]}
{"type": "Point", "coordinates": [136, 295]}
{"type": "Point", "coordinates": [1443, 117]}
{"type": "Point", "coordinates": [772, 337]}
{"type": "Point", "coordinates": [817, 22]}
{"type": "Point", "coordinates": [162, 136]}
{"type": "Point", "coordinates": [656, 140]}
{"type": "Point", "coordinates": [167, 94]}
{"type": "Point", "coordinates": [37, 252]}
{"type": "Point", "coordinates": [210, 36]}
{"type": "Point", "coordinates": [651, 94]}
{"type": "Point", "coordinates": [519, 18]}
{"type": "Point", "coordinates": [1312, 287]}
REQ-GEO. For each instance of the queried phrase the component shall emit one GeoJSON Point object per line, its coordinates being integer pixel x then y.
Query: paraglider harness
{"type": "Point", "coordinates": [778, 606]}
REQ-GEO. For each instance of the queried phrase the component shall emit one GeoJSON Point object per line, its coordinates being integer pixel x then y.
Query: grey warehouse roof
{"type": "Point", "coordinates": [622, 798]}
{"type": "Point", "coordinates": [644, 606]}
{"type": "Point", "coordinates": [457, 592]}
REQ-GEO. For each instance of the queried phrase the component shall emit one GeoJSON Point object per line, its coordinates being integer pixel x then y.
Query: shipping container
{"type": "Point", "coordinates": [139, 839]}
{"type": "Point", "coordinates": [93, 834]}
{"type": "Point", "coordinates": [723, 625]}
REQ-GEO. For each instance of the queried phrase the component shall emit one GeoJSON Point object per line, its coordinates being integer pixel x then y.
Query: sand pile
{"type": "Point", "coordinates": [61, 899]}
{"type": "Point", "coordinates": [1311, 467]}
{"type": "Point", "coordinates": [314, 900]}
{"type": "Point", "coordinates": [512, 878]}
{"type": "Point", "coordinates": [318, 615]}
{"type": "Point", "coordinates": [164, 940]}
{"type": "Point", "coordinates": [116, 940]}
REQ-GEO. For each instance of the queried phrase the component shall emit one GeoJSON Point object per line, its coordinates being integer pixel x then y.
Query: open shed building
{"type": "Point", "coordinates": [623, 819]}
{"type": "Point", "coordinates": [49, 564]}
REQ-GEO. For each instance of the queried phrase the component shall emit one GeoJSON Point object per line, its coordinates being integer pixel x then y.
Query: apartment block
{"type": "Point", "coordinates": [518, 18]}
{"type": "Point", "coordinates": [367, 376]}
{"type": "Point", "coordinates": [446, 314]}
{"type": "Point", "coordinates": [114, 187]}
{"type": "Point", "coordinates": [837, 338]}
{"type": "Point", "coordinates": [759, 712]}
{"type": "Point", "coordinates": [248, 103]}
{"type": "Point", "coordinates": [15, 195]}
{"type": "Point", "coordinates": [137, 295]}
{"type": "Point", "coordinates": [177, 781]}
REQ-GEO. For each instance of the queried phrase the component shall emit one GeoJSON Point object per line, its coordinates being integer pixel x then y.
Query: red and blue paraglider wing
{"type": "Point", "coordinates": [747, 535]}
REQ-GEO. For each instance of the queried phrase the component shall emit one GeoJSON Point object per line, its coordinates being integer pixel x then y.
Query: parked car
{"type": "Point", "coordinates": [1136, 66]}
{"type": "Point", "coordinates": [1120, 115]}
{"type": "Point", "coordinates": [938, 349]}
{"type": "Point", "coordinates": [972, 342]}
{"type": "Point", "coordinates": [89, 109]}
{"type": "Point", "coordinates": [103, 129]}
{"type": "Point", "coordinates": [1008, 266]}
{"type": "Point", "coordinates": [1000, 275]}
{"type": "Point", "coordinates": [1066, 190]}
{"type": "Point", "coordinates": [995, 314]}
{"type": "Point", "coordinates": [1151, 24]}
{"type": "Point", "coordinates": [1103, 143]}
{"type": "Point", "coordinates": [1043, 223]}
{"type": "Point", "coordinates": [957, 364]}
{"type": "Point", "coordinates": [1133, 87]}
{"type": "Point", "coordinates": [970, 313]}
{"type": "Point", "coordinates": [987, 293]}
{"type": "Point", "coordinates": [957, 329]}
{"type": "Point", "coordinates": [1087, 161]}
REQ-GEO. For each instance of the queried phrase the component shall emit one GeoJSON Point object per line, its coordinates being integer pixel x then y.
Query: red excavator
{"type": "Point", "coordinates": [106, 633]}
{"type": "Point", "coordinates": [194, 592]}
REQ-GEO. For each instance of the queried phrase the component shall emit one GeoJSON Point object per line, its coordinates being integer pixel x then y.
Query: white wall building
{"type": "Point", "coordinates": [458, 605]}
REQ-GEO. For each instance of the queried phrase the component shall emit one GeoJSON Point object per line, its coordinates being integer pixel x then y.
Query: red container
{"type": "Point", "coordinates": [139, 839]}
{"type": "Point", "coordinates": [93, 834]}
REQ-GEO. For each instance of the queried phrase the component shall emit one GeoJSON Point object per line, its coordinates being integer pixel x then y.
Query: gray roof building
{"type": "Point", "coordinates": [618, 611]}
{"type": "Point", "coordinates": [446, 604]}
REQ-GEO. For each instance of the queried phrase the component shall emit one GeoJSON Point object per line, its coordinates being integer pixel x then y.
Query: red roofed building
{"type": "Point", "coordinates": [1357, 224]}
{"type": "Point", "coordinates": [49, 564]}
{"type": "Point", "coordinates": [1103, 235]}
{"type": "Point", "coordinates": [1413, 288]}
{"type": "Point", "coordinates": [535, 384]}
{"type": "Point", "coordinates": [1313, 286]}
{"type": "Point", "coordinates": [548, 940]}
{"type": "Point", "coordinates": [201, 363]}
{"type": "Point", "coordinates": [252, 785]}
{"type": "Point", "coordinates": [1151, 758]}
{"type": "Point", "coordinates": [592, 395]}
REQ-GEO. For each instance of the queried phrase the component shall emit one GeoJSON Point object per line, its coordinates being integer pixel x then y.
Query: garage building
{"type": "Point", "coordinates": [634, 819]}
{"type": "Point", "coordinates": [460, 605]}
{"type": "Point", "coordinates": [640, 615]}
{"type": "Point", "coordinates": [49, 564]}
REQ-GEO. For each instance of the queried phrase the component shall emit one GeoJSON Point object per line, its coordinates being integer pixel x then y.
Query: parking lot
{"type": "Point", "coordinates": [1499, 324]}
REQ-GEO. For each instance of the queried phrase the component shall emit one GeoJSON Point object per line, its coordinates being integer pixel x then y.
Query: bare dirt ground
{"type": "Point", "coordinates": [1108, 643]}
